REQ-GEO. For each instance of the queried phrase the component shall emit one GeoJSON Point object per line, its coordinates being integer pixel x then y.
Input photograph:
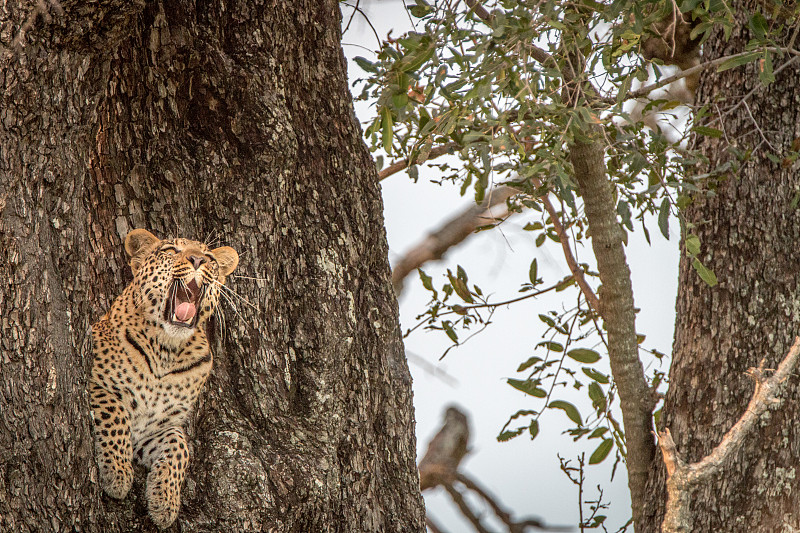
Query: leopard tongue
{"type": "Point", "coordinates": [185, 311]}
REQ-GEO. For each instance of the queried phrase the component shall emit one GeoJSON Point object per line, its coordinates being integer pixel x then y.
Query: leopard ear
{"type": "Point", "coordinates": [138, 243]}
{"type": "Point", "coordinates": [227, 259]}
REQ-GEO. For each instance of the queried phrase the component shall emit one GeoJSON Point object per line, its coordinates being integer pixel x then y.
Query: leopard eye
{"type": "Point", "coordinates": [169, 249]}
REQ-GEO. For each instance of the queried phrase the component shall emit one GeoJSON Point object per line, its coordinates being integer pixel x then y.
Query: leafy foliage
{"type": "Point", "coordinates": [508, 86]}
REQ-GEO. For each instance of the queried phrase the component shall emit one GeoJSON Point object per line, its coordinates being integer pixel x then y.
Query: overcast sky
{"type": "Point", "coordinates": [523, 474]}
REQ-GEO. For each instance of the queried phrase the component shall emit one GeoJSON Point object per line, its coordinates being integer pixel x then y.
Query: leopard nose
{"type": "Point", "coordinates": [196, 260]}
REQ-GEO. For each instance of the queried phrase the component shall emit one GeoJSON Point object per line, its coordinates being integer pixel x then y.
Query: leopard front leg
{"type": "Point", "coordinates": [112, 437]}
{"type": "Point", "coordinates": [168, 456]}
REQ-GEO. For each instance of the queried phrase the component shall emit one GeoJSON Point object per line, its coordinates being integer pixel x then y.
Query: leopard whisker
{"type": "Point", "coordinates": [228, 290]}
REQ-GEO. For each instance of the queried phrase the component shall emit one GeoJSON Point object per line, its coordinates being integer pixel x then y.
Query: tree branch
{"type": "Point", "coordinates": [644, 91]}
{"type": "Point", "coordinates": [465, 509]}
{"type": "Point", "coordinates": [536, 53]}
{"type": "Point", "coordinates": [403, 164]}
{"type": "Point", "coordinates": [445, 451]}
{"type": "Point", "coordinates": [617, 310]}
{"type": "Point", "coordinates": [682, 477]}
{"type": "Point", "coordinates": [502, 514]}
{"type": "Point", "coordinates": [451, 233]}
{"type": "Point", "coordinates": [572, 263]}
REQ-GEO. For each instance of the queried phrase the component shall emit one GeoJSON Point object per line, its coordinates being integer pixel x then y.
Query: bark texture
{"type": "Point", "coordinates": [619, 319]}
{"type": "Point", "coordinates": [748, 229]}
{"type": "Point", "coordinates": [226, 121]}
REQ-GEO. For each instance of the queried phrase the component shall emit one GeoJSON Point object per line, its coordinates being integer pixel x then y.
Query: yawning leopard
{"type": "Point", "coordinates": [151, 359]}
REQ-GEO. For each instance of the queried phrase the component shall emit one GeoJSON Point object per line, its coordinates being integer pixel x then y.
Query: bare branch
{"type": "Point", "coordinates": [572, 263]}
{"type": "Point", "coordinates": [465, 509]}
{"type": "Point", "coordinates": [681, 477]}
{"type": "Point", "coordinates": [451, 233]}
{"type": "Point", "coordinates": [445, 451]}
{"type": "Point", "coordinates": [502, 514]}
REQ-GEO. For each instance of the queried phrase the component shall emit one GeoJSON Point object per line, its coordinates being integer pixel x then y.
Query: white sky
{"type": "Point", "coordinates": [523, 474]}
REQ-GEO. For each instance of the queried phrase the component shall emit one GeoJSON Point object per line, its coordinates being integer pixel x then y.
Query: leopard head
{"type": "Point", "coordinates": [179, 281]}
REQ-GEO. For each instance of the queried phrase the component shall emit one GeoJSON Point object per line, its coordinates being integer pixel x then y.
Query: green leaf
{"type": "Point", "coordinates": [597, 397]}
{"type": "Point", "coordinates": [705, 273]}
{"type": "Point", "coordinates": [530, 226]}
{"type": "Point", "coordinates": [529, 363]}
{"type": "Point", "coordinates": [707, 131]}
{"type": "Point", "coordinates": [601, 452]}
{"type": "Point", "coordinates": [552, 346]}
{"type": "Point", "coordinates": [765, 73]}
{"type": "Point", "coordinates": [448, 328]}
{"type": "Point", "coordinates": [584, 355]}
{"type": "Point", "coordinates": [692, 244]}
{"type": "Point", "coordinates": [400, 100]}
{"type": "Point", "coordinates": [663, 218]}
{"type": "Point", "coordinates": [547, 320]}
{"type": "Point", "coordinates": [540, 240]}
{"type": "Point", "coordinates": [571, 410]}
{"type": "Point", "coordinates": [758, 25]}
{"type": "Point", "coordinates": [461, 273]}
{"type": "Point", "coordinates": [527, 386]}
{"type": "Point", "coordinates": [427, 282]}
{"type": "Point", "coordinates": [737, 61]}
{"type": "Point", "coordinates": [534, 429]}
{"type": "Point", "coordinates": [533, 271]}
{"type": "Point", "coordinates": [595, 375]}
{"type": "Point", "coordinates": [387, 130]}
{"type": "Point", "coordinates": [508, 435]}
{"type": "Point", "coordinates": [421, 9]}
{"type": "Point", "coordinates": [459, 283]}
{"type": "Point", "coordinates": [598, 432]}
{"type": "Point", "coordinates": [365, 64]}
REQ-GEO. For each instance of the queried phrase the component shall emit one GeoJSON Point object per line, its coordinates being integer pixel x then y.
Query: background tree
{"type": "Point", "coordinates": [748, 226]}
{"type": "Point", "coordinates": [227, 121]}
{"type": "Point", "coordinates": [534, 97]}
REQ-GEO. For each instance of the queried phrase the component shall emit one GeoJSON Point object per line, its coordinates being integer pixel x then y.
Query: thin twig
{"type": "Point", "coordinates": [512, 300]}
{"type": "Point", "coordinates": [465, 509]}
{"type": "Point", "coordinates": [644, 91]}
{"type": "Point", "coordinates": [572, 263]}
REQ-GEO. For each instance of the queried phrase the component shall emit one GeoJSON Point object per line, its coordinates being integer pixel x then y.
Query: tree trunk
{"type": "Point", "coordinates": [228, 121]}
{"type": "Point", "coordinates": [748, 229]}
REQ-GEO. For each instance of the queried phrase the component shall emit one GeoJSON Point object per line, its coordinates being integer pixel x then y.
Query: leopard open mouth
{"type": "Point", "coordinates": [183, 303]}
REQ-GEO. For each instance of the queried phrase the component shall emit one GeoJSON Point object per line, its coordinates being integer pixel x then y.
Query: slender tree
{"type": "Point", "coordinates": [229, 121]}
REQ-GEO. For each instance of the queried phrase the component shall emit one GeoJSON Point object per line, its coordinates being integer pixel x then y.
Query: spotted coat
{"type": "Point", "coordinates": [151, 359]}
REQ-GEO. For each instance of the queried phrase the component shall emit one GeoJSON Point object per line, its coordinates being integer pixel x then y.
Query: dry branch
{"type": "Point", "coordinates": [682, 477]}
{"type": "Point", "coordinates": [439, 467]}
{"type": "Point", "coordinates": [451, 233]}
{"type": "Point", "coordinates": [445, 451]}
{"type": "Point", "coordinates": [572, 263]}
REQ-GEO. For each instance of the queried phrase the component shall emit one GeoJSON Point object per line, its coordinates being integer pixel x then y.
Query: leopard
{"type": "Point", "coordinates": [151, 359]}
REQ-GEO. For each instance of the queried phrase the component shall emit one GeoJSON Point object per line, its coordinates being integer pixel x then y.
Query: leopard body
{"type": "Point", "coordinates": [151, 358]}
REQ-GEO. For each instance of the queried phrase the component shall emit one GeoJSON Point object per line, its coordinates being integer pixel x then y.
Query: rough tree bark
{"type": "Point", "coordinates": [749, 229]}
{"type": "Point", "coordinates": [227, 120]}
